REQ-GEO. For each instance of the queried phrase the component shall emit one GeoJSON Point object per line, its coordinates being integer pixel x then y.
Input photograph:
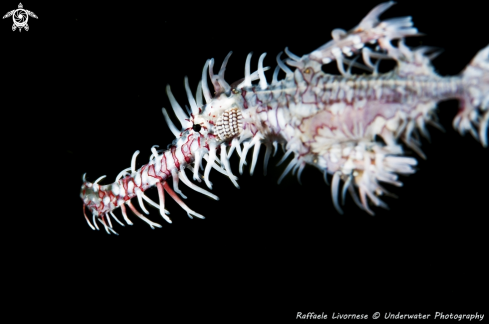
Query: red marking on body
{"type": "Point", "coordinates": [186, 149]}
{"type": "Point", "coordinates": [253, 129]}
{"type": "Point", "coordinates": [152, 173]}
{"type": "Point", "coordinates": [264, 109]}
{"type": "Point", "coordinates": [125, 185]}
{"type": "Point", "coordinates": [276, 119]}
{"type": "Point", "coordinates": [113, 198]}
{"type": "Point", "coordinates": [296, 88]}
{"type": "Point", "coordinates": [164, 167]}
{"type": "Point", "coordinates": [175, 159]}
{"type": "Point", "coordinates": [245, 103]}
{"type": "Point", "coordinates": [135, 185]}
{"type": "Point", "coordinates": [308, 96]}
{"type": "Point", "coordinates": [261, 109]}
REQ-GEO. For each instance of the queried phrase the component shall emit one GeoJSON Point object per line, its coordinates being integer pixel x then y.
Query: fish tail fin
{"type": "Point", "coordinates": [474, 110]}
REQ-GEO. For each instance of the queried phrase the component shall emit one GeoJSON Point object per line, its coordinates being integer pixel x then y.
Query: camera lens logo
{"type": "Point", "coordinates": [20, 17]}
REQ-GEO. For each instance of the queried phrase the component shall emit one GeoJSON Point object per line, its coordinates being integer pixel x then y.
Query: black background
{"type": "Point", "coordinates": [83, 89]}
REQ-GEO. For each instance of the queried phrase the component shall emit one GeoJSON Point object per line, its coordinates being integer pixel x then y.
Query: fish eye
{"type": "Point", "coordinates": [196, 127]}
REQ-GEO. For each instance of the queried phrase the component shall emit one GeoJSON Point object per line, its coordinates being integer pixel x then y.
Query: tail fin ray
{"type": "Point", "coordinates": [474, 111]}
